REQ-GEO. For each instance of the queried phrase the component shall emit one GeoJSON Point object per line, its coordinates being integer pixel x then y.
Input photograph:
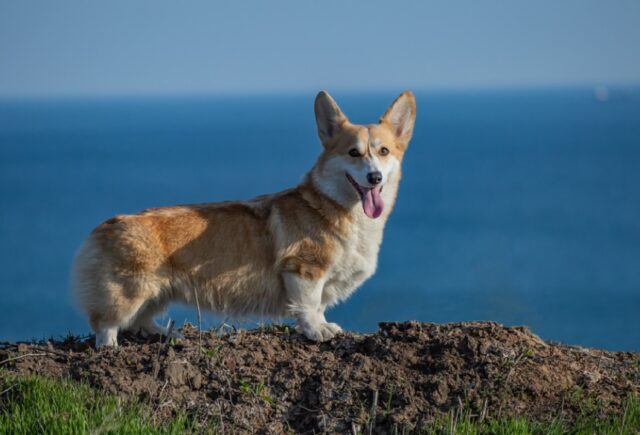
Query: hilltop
{"type": "Point", "coordinates": [400, 378]}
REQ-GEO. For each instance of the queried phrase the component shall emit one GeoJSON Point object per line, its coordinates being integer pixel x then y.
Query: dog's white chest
{"type": "Point", "coordinates": [357, 262]}
{"type": "Point", "coordinates": [361, 253]}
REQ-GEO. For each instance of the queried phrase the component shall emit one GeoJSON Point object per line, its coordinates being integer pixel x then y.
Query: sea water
{"type": "Point", "coordinates": [521, 207]}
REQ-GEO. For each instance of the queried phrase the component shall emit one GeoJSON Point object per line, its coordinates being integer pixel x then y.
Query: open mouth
{"type": "Point", "coordinates": [372, 202]}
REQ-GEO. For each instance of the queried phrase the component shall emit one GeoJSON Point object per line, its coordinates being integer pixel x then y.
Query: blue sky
{"type": "Point", "coordinates": [175, 47]}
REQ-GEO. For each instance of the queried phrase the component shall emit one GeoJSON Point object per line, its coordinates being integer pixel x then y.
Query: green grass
{"type": "Point", "coordinates": [628, 422]}
{"type": "Point", "coordinates": [32, 404]}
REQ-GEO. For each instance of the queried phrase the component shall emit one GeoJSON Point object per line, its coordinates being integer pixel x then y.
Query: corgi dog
{"type": "Point", "coordinates": [288, 254]}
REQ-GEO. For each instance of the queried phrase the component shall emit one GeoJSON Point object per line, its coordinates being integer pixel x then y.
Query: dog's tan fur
{"type": "Point", "coordinates": [292, 253]}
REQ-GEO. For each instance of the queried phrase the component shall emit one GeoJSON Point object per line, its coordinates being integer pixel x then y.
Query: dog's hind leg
{"type": "Point", "coordinates": [117, 302]}
{"type": "Point", "coordinates": [116, 273]}
{"type": "Point", "coordinates": [107, 337]}
{"type": "Point", "coordinates": [106, 323]}
{"type": "Point", "coordinates": [144, 323]}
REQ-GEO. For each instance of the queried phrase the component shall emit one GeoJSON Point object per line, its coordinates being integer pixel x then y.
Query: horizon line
{"type": "Point", "coordinates": [629, 86]}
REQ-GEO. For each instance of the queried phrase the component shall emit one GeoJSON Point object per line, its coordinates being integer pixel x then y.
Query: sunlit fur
{"type": "Point", "coordinates": [292, 253]}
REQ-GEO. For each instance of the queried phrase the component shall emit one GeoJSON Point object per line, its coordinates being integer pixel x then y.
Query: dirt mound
{"type": "Point", "coordinates": [403, 376]}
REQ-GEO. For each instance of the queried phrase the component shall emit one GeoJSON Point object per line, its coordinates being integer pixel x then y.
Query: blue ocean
{"type": "Point", "coordinates": [519, 206]}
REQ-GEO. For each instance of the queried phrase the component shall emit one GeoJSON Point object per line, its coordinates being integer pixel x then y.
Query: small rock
{"type": "Point", "coordinates": [439, 394]}
{"type": "Point", "coordinates": [196, 380]}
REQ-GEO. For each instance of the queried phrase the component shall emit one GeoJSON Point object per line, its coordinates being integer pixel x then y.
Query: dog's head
{"type": "Point", "coordinates": [359, 160]}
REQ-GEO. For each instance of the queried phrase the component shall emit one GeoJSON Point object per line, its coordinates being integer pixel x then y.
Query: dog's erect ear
{"type": "Point", "coordinates": [401, 115]}
{"type": "Point", "coordinates": [329, 117]}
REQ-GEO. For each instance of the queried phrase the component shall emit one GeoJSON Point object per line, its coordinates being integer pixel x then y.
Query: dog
{"type": "Point", "coordinates": [289, 254]}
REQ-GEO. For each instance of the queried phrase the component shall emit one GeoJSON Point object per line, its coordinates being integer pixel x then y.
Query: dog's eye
{"type": "Point", "coordinates": [384, 151]}
{"type": "Point", "coordinates": [353, 152]}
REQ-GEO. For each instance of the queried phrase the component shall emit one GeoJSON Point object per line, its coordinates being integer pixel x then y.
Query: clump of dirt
{"type": "Point", "coordinates": [403, 376]}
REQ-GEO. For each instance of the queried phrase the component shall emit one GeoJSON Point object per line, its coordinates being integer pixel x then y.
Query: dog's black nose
{"type": "Point", "coordinates": [374, 177]}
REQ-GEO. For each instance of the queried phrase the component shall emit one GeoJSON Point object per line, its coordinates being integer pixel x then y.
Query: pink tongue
{"type": "Point", "coordinates": [372, 202]}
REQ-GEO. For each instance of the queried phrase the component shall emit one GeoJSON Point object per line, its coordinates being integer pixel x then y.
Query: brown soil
{"type": "Point", "coordinates": [272, 381]}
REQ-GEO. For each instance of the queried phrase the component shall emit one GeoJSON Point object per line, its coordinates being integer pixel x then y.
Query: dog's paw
{"type": "Point", "coordinates": [334, 327]}
{"type": "Point", "coordinates": [107, 337]}
{"type": "Point", "coordinates": [320, 332]}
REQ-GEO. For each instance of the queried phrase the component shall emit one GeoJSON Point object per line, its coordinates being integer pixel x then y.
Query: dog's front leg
{"type": "Point", "coordinates": [305, 303]}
